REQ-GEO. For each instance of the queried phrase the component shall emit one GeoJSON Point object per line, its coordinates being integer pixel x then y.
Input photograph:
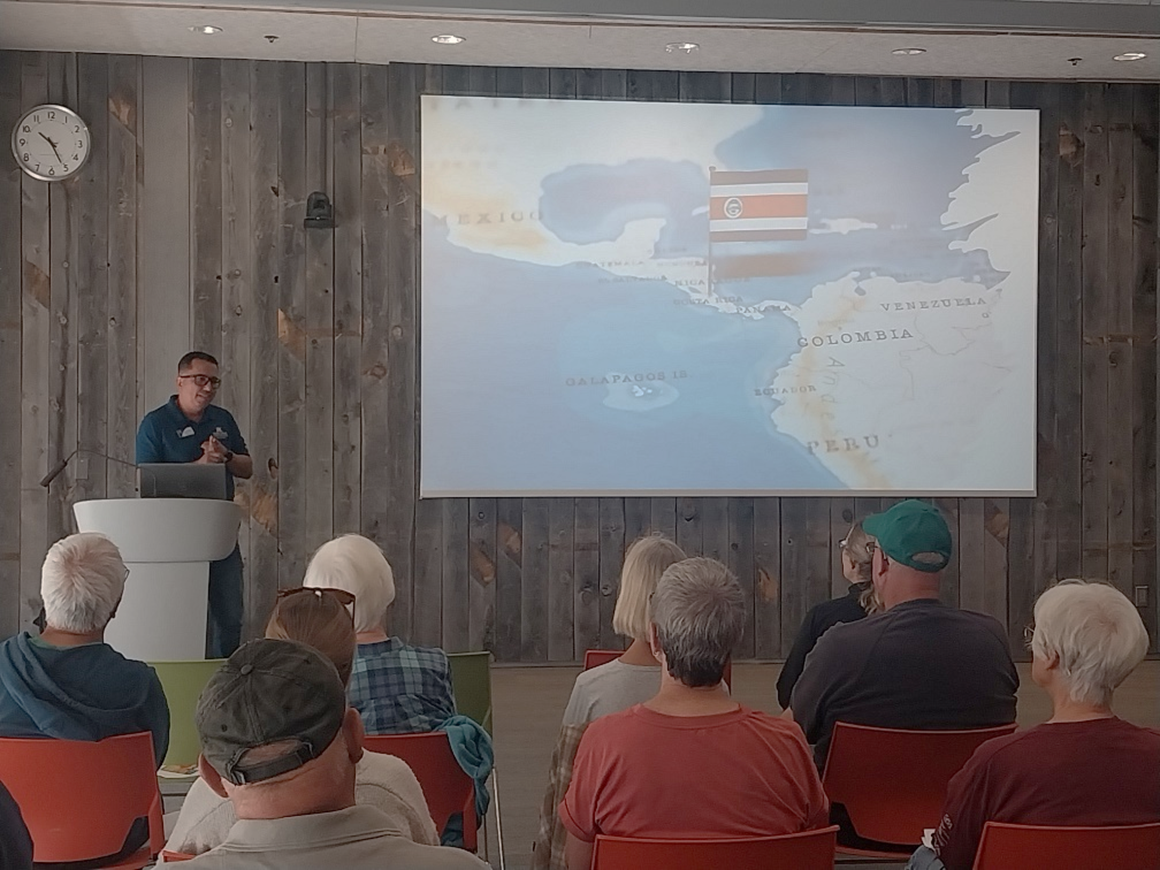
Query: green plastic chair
{"type": "Point", "coordinates": [183, 682]}
{"type": "Point", "coordinates": [471, 682]}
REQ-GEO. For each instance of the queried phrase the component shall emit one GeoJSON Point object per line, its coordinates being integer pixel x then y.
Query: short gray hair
{"type": "Point", "coordinates": [81, 582]}
{"type": "Point", "coordinates": [356, 564]}
{"type": "Point", "coordinates": [1096, 632]}
{"type": "Point", "coordinates": [699, 613]}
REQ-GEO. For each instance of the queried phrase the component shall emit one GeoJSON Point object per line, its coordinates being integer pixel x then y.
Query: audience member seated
{"type": "Point", "coordinates": [15, 843]}
{"type": "Point", "coordinates": [278, 739]}
{"type": "Point", "coordinates": [634, 677]}
{"type": "Point", "coordinates": [67, 682]}
{"type": "Point", "coordinates": [631, 679]}
{"type": "Point", "coordinates": [691, 761]}
{"type": "Point", "coordinates": [859, 601]}
{"type": "Point", "coordinates": [921, 664]}
{"type": "Point", "coordinates": [318, 618]}
{"type": "Point", "coordinates": [1084, 766]}
{"type": "Point", "coordinates": [396, 688]}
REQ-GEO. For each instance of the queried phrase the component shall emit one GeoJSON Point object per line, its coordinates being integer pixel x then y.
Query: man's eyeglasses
{"type": "Point", "coordinates": [202, 380]}
{"type": "Point", "coordinates": [1028, 634]}
{"type": "Point", "coordinates": [346, 599]}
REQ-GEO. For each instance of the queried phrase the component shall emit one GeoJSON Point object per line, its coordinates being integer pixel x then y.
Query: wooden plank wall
{"type": "Point", "coordinates": [185, 229]}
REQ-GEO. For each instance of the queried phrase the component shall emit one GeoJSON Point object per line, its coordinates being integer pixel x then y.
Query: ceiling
{"type": "Point", "coordinates": [1019, 39]}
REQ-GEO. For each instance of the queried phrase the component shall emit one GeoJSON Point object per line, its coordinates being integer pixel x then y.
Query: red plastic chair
{"type": "Point", "coordinates": [810, 850]}
{"type": "Point", "coordinates": [595, 657]}
{"type": "Point", "coordinates": [893, 782]}
{"type": "Point", "coordinates": [446, 786]}
{"type": "Point", "coordinates": [168, 857]}
{"type": "Point", "coordinates": [79, 798]}
{"type": "Point", "coordinates": [1042, 847]}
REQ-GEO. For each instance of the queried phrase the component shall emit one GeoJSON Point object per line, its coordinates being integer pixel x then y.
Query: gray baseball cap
{"type": "Point", "coordinates": [269, 691]}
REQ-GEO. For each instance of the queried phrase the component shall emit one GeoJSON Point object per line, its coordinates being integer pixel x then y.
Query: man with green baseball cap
{"type": "Point", "coordinates": [913, 533]}
{"type": "Point", "coordinates": [278, 740]}
{"type": "Point", "coordinates": [920, 664]}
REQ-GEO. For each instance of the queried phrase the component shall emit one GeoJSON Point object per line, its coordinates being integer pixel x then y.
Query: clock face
{"type": "Point", "coordinates": [50, 142]}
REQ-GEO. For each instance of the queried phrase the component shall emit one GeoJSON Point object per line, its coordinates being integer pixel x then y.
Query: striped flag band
{"type": "Point", "coordinates": [758, 206]}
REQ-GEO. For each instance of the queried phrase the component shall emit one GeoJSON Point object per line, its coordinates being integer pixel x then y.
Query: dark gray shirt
{"type": "Point", "coordinates": [919, 665]}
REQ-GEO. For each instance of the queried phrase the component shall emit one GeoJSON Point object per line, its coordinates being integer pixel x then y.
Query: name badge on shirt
{"type": "Point", "coordinates": [186, 432]}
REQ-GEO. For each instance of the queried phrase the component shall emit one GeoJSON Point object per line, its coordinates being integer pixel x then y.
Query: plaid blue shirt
{"type": "Point", "coordinates": [398, 688]}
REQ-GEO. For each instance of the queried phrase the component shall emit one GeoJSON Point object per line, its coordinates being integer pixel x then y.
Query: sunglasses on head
{"type": "Point", "coordinates": [346, 599]}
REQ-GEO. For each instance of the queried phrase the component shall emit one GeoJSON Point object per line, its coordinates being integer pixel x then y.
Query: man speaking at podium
{"type": "Point", "coordinates": [189, 428]}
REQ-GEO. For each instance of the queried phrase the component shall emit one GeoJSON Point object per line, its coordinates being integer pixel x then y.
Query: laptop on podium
{"type": "Point", "coordinates": [181, 480]}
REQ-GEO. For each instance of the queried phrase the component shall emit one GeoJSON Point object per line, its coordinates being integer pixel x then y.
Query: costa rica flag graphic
{"type": "Point", "coordinates": [767, 205]}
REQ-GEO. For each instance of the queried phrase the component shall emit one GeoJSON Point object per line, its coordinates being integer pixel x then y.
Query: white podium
{"type": "Point", "coordinates": [167, 544]}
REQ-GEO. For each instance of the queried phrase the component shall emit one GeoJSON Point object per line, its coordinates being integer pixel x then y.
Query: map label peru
{"type": "Point", "coordinates": [840, 445]}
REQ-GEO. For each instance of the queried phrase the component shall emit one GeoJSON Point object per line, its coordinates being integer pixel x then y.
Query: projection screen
{"type": "Point", "coordinates": [630, 298]}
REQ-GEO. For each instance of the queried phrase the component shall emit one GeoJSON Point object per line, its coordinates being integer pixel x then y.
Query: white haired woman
{"type": "Point", "coordinates": [396, 688]}
{"type": "Point", "coordinates": [1087, 638]}
{"type": "Point", "coordinates": [631, 679]}
{"type": "Point", "coordinates": [67, 682]}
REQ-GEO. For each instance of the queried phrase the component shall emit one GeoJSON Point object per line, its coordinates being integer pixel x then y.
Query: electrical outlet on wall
{"type": "Point", "coordinates": [1141, 596]}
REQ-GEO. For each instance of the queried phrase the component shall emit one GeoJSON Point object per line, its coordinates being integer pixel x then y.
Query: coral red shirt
{"type": "Point", "coordinates": [640, 773]}
{"type": "Point", "coordinates": [1100, 772]}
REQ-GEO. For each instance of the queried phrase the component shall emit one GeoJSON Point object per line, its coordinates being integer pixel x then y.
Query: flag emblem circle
{"type": "Point", "coordinates": [733, 208]}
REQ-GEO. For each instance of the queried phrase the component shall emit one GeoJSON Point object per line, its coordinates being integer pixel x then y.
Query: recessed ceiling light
{"type": "Point", "coordinates": [1130, 55]}
{"type": "Point", "coordinates": [686, 47]}
{"type": "Point", "coordinates": [908, 52]}
{"type": "Point", "coordinates": [207, 29]}
{"type": "Point", "coordinates": [448, 39]}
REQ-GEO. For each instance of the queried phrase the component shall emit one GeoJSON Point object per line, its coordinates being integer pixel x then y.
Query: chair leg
{"type": "Point", "coordinates": [498, 820]}
{"type": "Point", "coordinates": [486, 842]}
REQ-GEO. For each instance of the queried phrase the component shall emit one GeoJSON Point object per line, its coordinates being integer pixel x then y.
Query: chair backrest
{"type": "Point", "coordinates": [182, 683]}
{"type": "Point", "coordinates": [810, 850]}
{"type": "Point", "coordinates": [893, 782]}
{"type": "Point", "coordinates": [1035, 847]}
{"type": "Point", "coordinates": [471, 681]}
{"type": "Point", "coordinates": [446, 786]}
{"type": "Point", "coordinates": [80, 798]}
{"type": "Point", "coordinates": [596, 657]}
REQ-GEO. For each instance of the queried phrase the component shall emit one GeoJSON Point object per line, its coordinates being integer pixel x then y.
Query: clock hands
{"type": "Point", "coordinates": [53, 145]}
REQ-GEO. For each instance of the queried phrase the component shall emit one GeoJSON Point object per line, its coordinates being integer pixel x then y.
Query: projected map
{"type": "Point", "coordinates": [663, 298]}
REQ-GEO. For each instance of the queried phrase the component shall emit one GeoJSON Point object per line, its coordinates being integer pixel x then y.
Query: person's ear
{"type": "Point", "coordinates": [354, 733]}
{"type": "Point", "coordinates": [654, 642]}
{"type": "Point", "coordinates": [212, 777]}
{"type": "Point", "coordinates": [1051, 661]}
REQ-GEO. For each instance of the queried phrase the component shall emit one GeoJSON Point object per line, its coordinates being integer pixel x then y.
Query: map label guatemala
{"type": "Point", "coordinates": [625, 298]}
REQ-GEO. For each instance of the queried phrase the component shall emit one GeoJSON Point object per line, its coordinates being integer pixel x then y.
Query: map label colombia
{"type": "Point", "coordinates": [854, 337]}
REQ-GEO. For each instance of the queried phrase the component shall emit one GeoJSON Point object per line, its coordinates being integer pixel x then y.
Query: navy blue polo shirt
{"type": "Point", "coordinates": [167, 435]}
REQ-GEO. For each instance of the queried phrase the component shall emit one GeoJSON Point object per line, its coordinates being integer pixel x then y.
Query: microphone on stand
{"type": "Point", "coordinates": [55, 471]}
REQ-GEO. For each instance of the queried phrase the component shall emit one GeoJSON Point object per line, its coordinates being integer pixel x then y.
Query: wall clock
{"type": "Point", "coordinates": [51, 142]}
